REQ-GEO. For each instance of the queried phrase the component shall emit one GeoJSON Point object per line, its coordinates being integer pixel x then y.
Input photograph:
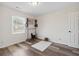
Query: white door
{"type": "Point", "coordinates": [67, 29]}
{"type": "Point", "coordinates": [72, 29]}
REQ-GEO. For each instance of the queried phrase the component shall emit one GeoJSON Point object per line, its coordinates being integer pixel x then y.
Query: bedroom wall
{"type": "Point", "coordinates": [6, 36]}
{"type": "Point", "coordinates": [55, 26]}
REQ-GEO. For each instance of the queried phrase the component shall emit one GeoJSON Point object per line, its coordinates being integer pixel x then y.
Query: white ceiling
{"type": "Point", "coordinates": [43, 8]}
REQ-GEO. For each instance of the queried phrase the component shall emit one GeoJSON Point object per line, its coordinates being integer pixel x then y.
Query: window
{"type": "Point", "coordinates": [18, 24]}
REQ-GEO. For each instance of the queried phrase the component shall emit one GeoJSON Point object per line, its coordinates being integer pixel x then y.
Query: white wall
{"type": "Point", "coordinates": [6, 36]}
{"type": "Point", "coordinates": [56, 25]}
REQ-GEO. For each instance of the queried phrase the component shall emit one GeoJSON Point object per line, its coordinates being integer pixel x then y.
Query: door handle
{"type": "Point", "coordinates": [69, 31]}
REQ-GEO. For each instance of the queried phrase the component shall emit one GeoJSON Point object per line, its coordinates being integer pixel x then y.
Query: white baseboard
{"type": "Point", "coordinates": [11, 43]}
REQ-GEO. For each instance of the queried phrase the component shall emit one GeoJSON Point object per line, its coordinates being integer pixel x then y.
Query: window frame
{"type": "Point", "coordinates": [20, 18]}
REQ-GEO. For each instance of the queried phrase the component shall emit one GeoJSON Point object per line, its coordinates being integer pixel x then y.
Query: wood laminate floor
{"type": "Point", "coordinates": [17, 50]}
{"type": "Point", "coordinates": [24, 49]}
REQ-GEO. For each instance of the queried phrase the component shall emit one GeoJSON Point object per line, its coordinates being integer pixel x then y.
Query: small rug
{"type": "Point", "coordinates": [42, 45]}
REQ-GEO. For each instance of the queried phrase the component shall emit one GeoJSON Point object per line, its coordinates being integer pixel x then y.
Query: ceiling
{"type": "Point", "coordinates": [43, 8]}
